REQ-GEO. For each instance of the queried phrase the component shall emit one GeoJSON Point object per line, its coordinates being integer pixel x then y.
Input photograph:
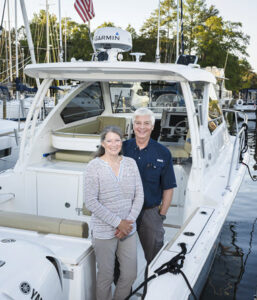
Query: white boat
{"type": "Point", "coordinates": [45, 250]}
{"type": "Point", "coordinates": [18, 109]}
{"type": "Point", "coordinates": [9, 143]}
{"type": "Point", "coordinates": [245, 108]}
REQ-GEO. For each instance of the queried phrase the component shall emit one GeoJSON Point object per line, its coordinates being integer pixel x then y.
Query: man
{"type": "Point", "coordinates": [154, 162]}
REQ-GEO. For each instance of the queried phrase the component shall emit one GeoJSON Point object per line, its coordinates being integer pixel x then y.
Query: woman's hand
{"type": "Point", "coordinates": [119, 234]}
{"type": "Point", "coordinates": [125, 226]}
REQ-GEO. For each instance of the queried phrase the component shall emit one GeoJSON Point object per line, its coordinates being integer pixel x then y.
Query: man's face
{"type": "Point", "coordinates": [143, 127]}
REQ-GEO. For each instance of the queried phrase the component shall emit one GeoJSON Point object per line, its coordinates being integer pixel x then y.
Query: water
{"type": "Point", "coordinates": [234, 272]}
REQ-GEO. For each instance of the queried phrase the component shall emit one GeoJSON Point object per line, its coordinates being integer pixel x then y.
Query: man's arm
{"type": "Point", "coordinates": [166, 201]}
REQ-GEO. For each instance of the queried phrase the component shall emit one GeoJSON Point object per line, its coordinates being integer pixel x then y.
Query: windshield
{"type": "Point", "coordinates": [157, 95]}
{"type": "Point", "coordinates": [88, 103]}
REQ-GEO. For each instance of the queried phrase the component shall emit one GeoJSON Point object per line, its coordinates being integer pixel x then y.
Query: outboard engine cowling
{"type": "Point", "coordinates": [29, 271]}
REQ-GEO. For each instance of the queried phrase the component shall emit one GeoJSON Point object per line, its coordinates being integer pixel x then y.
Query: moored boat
{"type": "Point", "coordinates": [48, 198]}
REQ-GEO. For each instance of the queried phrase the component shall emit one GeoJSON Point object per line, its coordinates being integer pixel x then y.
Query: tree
{"type": "Point", "coordinates": [106, 24]}
{"type": "Point", "coordinates": [78, 43]}
{"type": "Point", "coordinates": [38, 34]}
{"type": "Point", "coordinates": [132, 31]}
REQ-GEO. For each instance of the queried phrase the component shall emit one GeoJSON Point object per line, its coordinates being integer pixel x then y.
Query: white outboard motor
{"type": "Point", "coordinates": [109, 41]}
{"type": "Point", "coordinates": [29, 271]}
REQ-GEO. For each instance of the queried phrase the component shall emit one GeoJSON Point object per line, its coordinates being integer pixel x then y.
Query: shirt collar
{"type": "Point", "coordinates": [137, 148]}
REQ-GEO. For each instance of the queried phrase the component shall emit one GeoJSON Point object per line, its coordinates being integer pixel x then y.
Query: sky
{"type": "Point", "coordinates": [135, 12]}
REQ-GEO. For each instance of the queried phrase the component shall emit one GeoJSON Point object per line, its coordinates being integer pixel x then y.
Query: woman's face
{"type": "Point", "coordinates": [112, 143]}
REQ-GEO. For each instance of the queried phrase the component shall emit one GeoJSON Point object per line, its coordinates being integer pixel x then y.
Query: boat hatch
{"type": "Point", "coordinates": [192, 230]}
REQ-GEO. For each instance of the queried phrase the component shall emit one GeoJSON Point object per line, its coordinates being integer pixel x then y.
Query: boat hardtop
{"type": "Point", "coordinates": [104, 71]}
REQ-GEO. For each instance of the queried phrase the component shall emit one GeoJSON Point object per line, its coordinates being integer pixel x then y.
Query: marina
{"type": "Point", "coordinates": [202, 120]}
{"type": "Point", "coordinates": [53, 156]}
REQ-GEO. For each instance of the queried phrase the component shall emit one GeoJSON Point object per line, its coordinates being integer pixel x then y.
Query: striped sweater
{"type": "Point", "coordinates": [112, 198]}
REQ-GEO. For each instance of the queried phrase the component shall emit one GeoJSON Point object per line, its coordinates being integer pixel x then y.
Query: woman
{"type": "Point", "coordinates": [114, 195]}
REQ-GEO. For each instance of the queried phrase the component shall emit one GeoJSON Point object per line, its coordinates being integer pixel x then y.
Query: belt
{"type": "Point", "coordinates": [150, 207]}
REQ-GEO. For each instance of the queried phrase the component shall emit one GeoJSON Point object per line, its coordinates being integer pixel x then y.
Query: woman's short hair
{"type": "Point", "coordinates": [143, 111]}
{"type": "Point", "coordinates": [107, 129]}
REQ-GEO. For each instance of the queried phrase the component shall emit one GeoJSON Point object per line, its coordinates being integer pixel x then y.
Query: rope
{"type": "Point", "coordinates": [244, 148]}
{"type": "Point", "coordinates": [173, 266]}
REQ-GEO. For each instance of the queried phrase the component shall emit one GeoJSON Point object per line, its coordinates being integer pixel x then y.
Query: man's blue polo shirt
{"type": "Point", "coordinates": [156, 169]}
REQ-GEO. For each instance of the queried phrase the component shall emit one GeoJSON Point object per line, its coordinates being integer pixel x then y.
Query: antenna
{"type": "Point", "coordinates": [138, 55]}
{"type": "Point", "coordinates": [157, 55]}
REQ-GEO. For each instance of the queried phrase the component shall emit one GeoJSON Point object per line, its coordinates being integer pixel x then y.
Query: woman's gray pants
{"type": "Point", "coordinates": [126, 251]}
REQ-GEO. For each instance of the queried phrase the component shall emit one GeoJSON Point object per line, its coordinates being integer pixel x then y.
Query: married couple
{"type": "Point", "coordinates": [128, 188]}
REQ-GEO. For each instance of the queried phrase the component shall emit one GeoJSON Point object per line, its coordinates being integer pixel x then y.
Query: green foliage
{"type": "Point", "coordinates": [217, 42]}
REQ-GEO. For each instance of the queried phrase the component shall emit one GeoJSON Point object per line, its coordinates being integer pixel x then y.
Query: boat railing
{"type": "Point", "coordinates": [239, 140]}
{"type": "Point", "coordinates": [5, 197]}
{"type": "Point", "coordinates": [14, 132]}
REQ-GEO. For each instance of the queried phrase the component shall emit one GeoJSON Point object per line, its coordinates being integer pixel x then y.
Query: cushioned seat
{"type": "Point", "coordinates": [44, 224]}
{"type": "Point", "coordinates": [76, 156]}
{"type": "Point", "coordinates": [85, 137]}
{"type": "Point", "coordinates": [182, 151]}
{"type": "Point", "coordinates": [111, 121]}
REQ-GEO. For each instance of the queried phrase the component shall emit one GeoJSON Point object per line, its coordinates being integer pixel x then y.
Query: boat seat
{"type": "Point", "coordinates": [86, 137]}
{"type": "Point", "coordinates": [74, 156]}
{"type": "Point", "coordinates": [112, 121]}
{"type": "Point", "coordinates": [43, 224]}
{"type": "Point", "coordinates": [181, 151]}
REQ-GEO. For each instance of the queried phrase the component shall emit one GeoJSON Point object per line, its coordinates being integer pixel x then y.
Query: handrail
{"type": "Point", "coordinates": [6, 200]}
{"type": "Point", "coordinates": [33, 109]}
{"type": "Point", "coordinates": [9, 132]}
{"type": "Point", "coordinates": [74, 133]}
{"type": "Point", "coordinates": [239, 135]}
{"type": "Point", "coordinates": [236, 112]}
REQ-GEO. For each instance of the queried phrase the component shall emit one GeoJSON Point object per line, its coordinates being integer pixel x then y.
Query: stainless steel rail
{"type": "Point", "coordinates": [240, 135]}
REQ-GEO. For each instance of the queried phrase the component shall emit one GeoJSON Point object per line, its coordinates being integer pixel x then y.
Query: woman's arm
{"type": "Point", "coordinates": [139, 195]}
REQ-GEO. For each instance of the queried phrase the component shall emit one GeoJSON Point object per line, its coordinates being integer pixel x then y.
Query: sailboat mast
{"type": "Point", "coordinates": [65, 40]}
{"type": "Point", "coordinates": [60, 32]}
{"type": "Point", "coordinates": [6, 53]}
{"type": "Point", "coordinates": [177, 44]}
{"type": "Point", "coordinates": [1, 26]}
{"type": "Point", "coordinates": [16, 63]}
{"type": "Point", "coordinates": [182, 34]}
{"type": "Point", "coordinates": [30, 42]}
{"type": "Point", "coordinates": [10, 42]}
{"type": "Point", "coordinates": [47, 34]}
{"type": "Point", "coordinates": [16, 45]}
{"type": "Point", "coordinates": [157, 55]}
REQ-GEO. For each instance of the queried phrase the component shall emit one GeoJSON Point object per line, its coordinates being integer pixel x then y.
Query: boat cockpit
{"type": "Point", "coordinates": [87, 114]}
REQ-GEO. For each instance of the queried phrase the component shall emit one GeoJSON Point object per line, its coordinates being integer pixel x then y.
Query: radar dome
{"type": "Point", "coordinates": [112, 38]}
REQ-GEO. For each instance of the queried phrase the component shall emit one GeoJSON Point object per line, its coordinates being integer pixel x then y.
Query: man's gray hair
{"type": "Point", "coordinates": [143, 111]}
